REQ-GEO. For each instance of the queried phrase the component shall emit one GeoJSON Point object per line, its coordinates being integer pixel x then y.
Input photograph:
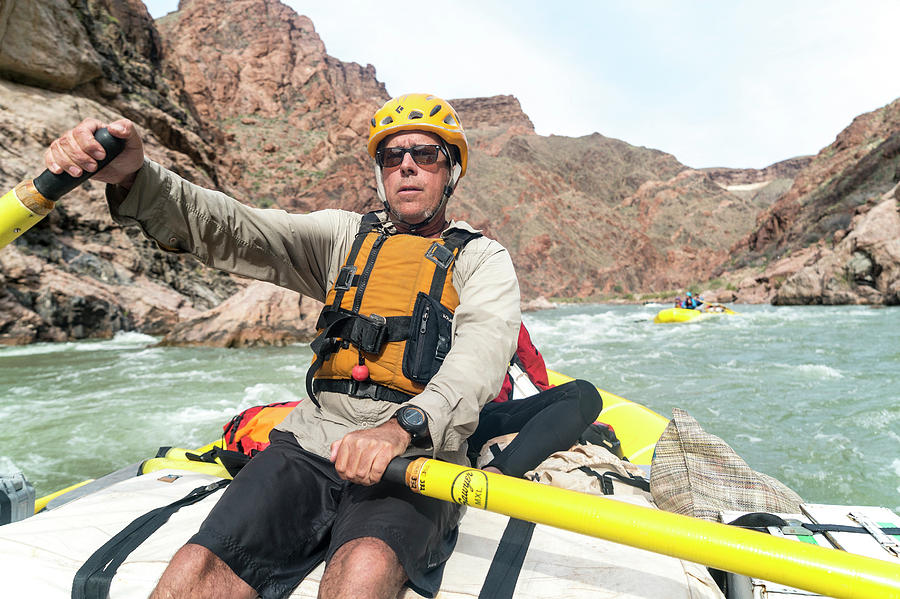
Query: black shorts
{"type": "Point", "coordinates": [287, 510]}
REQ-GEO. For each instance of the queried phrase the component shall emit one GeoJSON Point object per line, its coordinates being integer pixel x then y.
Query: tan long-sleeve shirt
{"type": "Point", "coordinates": [304, 252]}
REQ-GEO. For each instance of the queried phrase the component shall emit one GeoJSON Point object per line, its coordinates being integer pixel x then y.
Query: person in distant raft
{"type": "Point", "coordinates": [549, 421]}
{"type": "Point", "coordinates": [690, 302]}
{"type": "Point", "coordinates": [421, 316]}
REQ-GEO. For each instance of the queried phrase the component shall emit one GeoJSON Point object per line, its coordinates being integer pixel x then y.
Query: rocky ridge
{"type": "Point", "coordinates": [818, 213]}
{"type": "Point", "coordinates": [242, 96]}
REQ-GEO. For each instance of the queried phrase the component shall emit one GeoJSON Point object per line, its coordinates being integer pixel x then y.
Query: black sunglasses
{"type": "Point", "coordinates": [424, 154]}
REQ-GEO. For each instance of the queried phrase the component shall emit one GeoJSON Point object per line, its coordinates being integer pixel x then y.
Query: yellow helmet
{"type": "Point", "coordinates": [422, 112]}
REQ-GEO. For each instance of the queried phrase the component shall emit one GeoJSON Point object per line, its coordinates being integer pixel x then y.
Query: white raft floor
{"type": "Point", "coordinates": [40, 555]}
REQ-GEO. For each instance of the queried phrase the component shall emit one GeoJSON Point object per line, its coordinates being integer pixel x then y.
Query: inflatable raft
{"type": "Point", "coordinates": [582, 545]}
{"type": "Point", "coordinates": [40, 556]}
{"type": "Point", "coordinates": [667, 315]}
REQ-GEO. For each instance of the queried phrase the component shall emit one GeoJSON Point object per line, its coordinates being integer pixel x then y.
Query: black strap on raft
{"type": "Point", "coordinates": [93, 579]}
{"type": "Point", "coordinates": [339, 326]}
{"type": "Point", "coordinates": [606, 480]}
{"type": "Point", "coordinates": [762, 520]}
{"type": "Point", "coordinates": [503, 574]}
{"type": "Point", "coordinates": [233, 461]}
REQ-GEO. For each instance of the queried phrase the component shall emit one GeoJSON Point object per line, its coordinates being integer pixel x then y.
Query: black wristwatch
{"type": "Point", "coordinates": [414, 421]}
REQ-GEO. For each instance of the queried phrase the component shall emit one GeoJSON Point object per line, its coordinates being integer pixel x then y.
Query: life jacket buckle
{"type": "Point", "coordinates": [440, 255]}
{"type": "Point", "coordinates": [345, 278]}
{"type": "Point", "coordinates": [368, 332]}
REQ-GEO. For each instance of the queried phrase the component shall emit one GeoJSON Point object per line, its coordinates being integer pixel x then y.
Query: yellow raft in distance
{"type": "Point", "coordinates": [686, 315]}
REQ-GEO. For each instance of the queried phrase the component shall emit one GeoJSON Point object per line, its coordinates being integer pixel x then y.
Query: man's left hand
{"type": "Point", "coordinates": [362, 456]}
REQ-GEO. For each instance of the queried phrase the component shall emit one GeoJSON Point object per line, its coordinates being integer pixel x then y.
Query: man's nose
{"type": "Point", "coordinates": [408, 166]}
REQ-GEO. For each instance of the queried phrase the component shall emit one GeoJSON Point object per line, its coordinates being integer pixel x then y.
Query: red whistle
{"type": "Point", "coordinates": [360, 372]}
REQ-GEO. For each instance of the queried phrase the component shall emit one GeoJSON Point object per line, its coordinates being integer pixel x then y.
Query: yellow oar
{"type": "Point", "coordinates": [30, 201]}
{"type": "Point", "coordinates": [801, 565]}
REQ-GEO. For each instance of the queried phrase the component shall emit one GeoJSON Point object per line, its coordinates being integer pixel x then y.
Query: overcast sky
{"type": "Point", "coordinates": [738, 84]}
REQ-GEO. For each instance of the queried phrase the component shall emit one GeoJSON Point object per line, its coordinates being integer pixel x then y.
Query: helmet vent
{"type": "Point", "coordinates": [415, 114]}
{"type": "Point", "coordinates": [374, 124]}
{"type": "Point", "coordinates": [449, 120]}
{"type": "Point", "coordinates": [387, 120]}
{"type": "Point", "coordinates": [435, 110]}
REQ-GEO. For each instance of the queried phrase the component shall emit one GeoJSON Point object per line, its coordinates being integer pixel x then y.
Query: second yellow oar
{"type": "Point", "coordinates": [801, 565]}
{"type": "Point", "coordinates": [28, 202]}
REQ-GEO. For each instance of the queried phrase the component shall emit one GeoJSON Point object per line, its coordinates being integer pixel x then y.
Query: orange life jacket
{"type": "Point", "coordinates": [248, 432]}
{"type": "Point", "coordinates": [386, 325]}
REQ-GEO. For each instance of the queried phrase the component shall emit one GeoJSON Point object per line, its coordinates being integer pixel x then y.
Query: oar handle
{"type": "Point", "coordinates": [396, 470]}
{"type": "Point", "coordinates": [53, 186]}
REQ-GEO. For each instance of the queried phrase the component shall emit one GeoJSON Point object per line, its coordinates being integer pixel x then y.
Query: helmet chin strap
{"type": "Point", "coordinates": [455, 170]}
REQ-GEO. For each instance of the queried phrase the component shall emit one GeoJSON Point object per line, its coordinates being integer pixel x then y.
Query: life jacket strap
{"type": "Point", "coordinates": [361, 390]}
{"type": "Point", "coordinates": [347, 276]}
{"type": "Point", "coordinates": [368, 333]}
{"type": "Point", "coordinates": [444, 255]}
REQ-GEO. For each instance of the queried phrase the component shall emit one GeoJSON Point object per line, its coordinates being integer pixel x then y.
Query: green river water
{"type": "Point", "coordinates": [808, 395]}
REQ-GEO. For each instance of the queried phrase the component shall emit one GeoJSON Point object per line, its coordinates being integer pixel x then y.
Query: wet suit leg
{"type": "Point", "coordinates": [550, 421]}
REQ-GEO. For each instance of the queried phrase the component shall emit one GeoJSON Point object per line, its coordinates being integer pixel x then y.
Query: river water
{"type": "Point", "coordinates": [809, 395]}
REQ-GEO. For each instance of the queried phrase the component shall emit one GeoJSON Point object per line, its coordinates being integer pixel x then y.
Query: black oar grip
{"type": "Point", "coordinates": [396, 470]}
{"type": "Point", "coordinates": [53, 186]}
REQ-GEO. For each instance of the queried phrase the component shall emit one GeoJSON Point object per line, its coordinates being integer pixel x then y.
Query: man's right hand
{"type": "Point", "coordinates": [362, 456]}
{"type": "Point", "coordinates": [76, 151]}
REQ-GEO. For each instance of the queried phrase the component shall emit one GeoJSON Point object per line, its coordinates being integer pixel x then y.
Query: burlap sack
{"type": "Point", "coordinates": [697, 474]}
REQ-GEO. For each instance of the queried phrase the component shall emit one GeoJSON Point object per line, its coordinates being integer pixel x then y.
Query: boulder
{"type": "Point", "coordinates": [538, 303]}
{"type": "Point", "coordinates": [43, 43]}
{"type": "Point", "coordinates": [262, 314]}
{"type": "Point", "coordinates": [864, 267]}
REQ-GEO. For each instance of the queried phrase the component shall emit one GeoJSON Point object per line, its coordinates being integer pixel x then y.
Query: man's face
{"type": "Point", "coordinates": [414, 191]}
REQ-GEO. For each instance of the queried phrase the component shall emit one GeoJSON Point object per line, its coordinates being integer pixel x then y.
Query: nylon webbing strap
{"type": "Point", "coordinates": [340, 324]}
{"type": "Point", "coordinates": [323, 346]}
{"type": "Point", "coordinates": [369, 220]}
{"type": "Point", "coordinates": [93, 579]}
{"type": "Point", "coordinates": [337, 324]}
{"type": "Point", "coordinates": [502, 576]}
{"type": "Point", "coordinates": [327, 347]}
{"type": "Point", "coordinates": [454, 241]}
{"type": "Point", "coordinates": [762, 520]}
{"type": "Point", "coordinates": [367, 271]}
{"type": "Point", "coordinates": [361, 389]}
{"type": "Point", "coordinates": [231, 460]}
{"type": "Point", "coordinates": [606, 480]}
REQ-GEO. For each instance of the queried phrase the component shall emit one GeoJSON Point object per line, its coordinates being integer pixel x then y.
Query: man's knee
{"type": "Point", "coordinates": [195, 571]}
{"type": "Point", "coordinates": [368, 552]}
{"type": "Point", "coordinates": [367, 566]}
{"type": "Point", "coordinates": [589, 401]}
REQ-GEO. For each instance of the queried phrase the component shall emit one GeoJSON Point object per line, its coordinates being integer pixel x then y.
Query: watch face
{"type": "Point", "coordinates": [413, 417]}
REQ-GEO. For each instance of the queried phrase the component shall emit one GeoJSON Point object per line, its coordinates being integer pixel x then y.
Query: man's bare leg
{"type": "Point", "coordinates": [195, 572]}
{"type": "Point", "coordinates": [363, 568]}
